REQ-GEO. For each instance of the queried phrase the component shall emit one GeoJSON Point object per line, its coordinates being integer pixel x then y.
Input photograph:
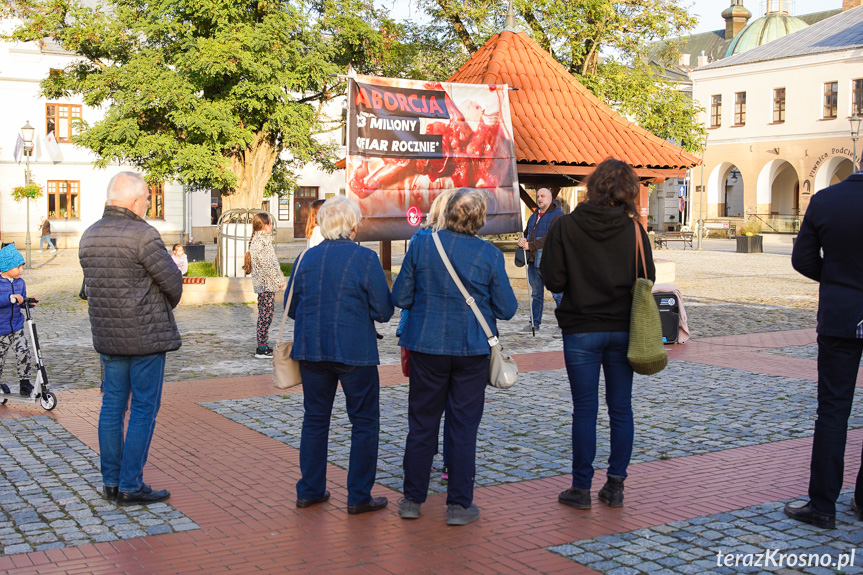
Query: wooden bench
{"type": "Point", "coordinates": [661, 240]}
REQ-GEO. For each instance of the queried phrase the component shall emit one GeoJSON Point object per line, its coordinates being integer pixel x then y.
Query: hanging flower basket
{"type": "Point", "coordinates": [32, 191]}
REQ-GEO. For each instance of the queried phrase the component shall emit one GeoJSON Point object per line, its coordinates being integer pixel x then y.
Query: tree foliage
{"type": "Point", "coordinates": [215, 93]}
{"type": "Point", "coordinates": [604, 43]}
{"type": "Point", "coordinates": [232, 94]}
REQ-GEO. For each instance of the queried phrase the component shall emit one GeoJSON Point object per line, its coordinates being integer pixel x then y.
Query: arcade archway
{"type": "Point", "coordinates": [831, 172]}
{"type": "Point", "coordinates": [725, 190]}
{"type": "Point", "coordinates": [778, 196]}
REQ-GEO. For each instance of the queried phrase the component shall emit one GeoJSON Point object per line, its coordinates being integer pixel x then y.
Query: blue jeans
{"type": "Point", "coordinates": [141, 377]}
{"type": "Point", "coordinates": [537, 293]}
{"type": "Point", "coordinates": [46, 239]}
{"type": "Point", "coordinates": [584, 353]}
{"type": "Point", "coordinates": [438, 383]}
{"type": "Point", "coordinates": [361, 385]}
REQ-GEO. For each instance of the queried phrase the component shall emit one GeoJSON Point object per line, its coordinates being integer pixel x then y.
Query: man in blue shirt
{"type": "Point", "coordinates": [534, 238]}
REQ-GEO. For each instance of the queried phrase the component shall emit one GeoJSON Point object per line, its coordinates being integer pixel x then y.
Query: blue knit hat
{"type": "Point", "coordinates": [10, 258]}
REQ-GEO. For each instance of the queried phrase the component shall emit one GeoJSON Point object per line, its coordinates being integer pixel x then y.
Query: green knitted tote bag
{"type": "Point", "coordinates": [646, 353]}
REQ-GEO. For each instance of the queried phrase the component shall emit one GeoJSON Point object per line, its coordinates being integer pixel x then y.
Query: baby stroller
{"type": "Point", "coordinates": [40, 392]}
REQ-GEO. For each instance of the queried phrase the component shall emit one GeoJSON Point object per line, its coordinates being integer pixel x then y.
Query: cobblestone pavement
{"type": "Point", "coordinates": [526, 432]}
{"type": "Point", "coordinates": [798, 351]}
{"type": "Point", "coordinates": [50, 495]}
{"type": "Point", "coordinates": [693, 546]}
{"type": "Point", "coordinates": [725, 293]}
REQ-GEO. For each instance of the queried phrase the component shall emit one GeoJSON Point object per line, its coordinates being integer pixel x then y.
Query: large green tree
{"type": "Point", "coordinates": [214, 93]}
{"type": "Point", "coordinates": [604, 43]}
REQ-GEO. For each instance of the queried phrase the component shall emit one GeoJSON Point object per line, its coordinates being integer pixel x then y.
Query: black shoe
{"type": "Point", "coordinates": [575, 498]}
{"type": "Point", "coordinates": [145, 495]}
{"type": "Point", "coordinates": [612, 492]}
{"type": "Point", "coordinates": [808, 514]}
{"type": "Point", "coordinates": [109, 492]}
{"type": "Point", "coordinates": [26, 388]}
{"type": "Point", "coordinates": [374, 504]}
{"type": "Point", "coordinates": [303, 503]}
{"type": "Point", "coordinates": [264, 353]}
{"type": "Point", "coordinates": [857, 511]}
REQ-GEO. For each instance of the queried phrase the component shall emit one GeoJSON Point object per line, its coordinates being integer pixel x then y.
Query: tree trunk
{"type": "Point", "coordinates": [253, 168]}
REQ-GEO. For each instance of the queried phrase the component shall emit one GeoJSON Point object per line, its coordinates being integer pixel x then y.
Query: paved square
{"type": "Point", "coordinates": [693, 546]}
{"type": "Point", "coordinates": [50, 496]}
{"type": "Point", "coordinates": [526, 432]}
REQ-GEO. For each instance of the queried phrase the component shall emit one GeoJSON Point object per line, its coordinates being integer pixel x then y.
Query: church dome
{"type": "Point", "coordinates": [763, 30]}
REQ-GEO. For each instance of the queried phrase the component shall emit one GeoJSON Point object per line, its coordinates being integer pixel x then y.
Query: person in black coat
{"type": "Point", "coordinates": [589, 255]}
{"type": "Point", "coordinates": [829, 250]}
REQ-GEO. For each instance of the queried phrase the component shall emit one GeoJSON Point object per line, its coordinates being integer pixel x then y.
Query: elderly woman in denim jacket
{"type": "Point", "coordinates": [449, 359]}
{"type": "Point", "coordinates": [339, 292]}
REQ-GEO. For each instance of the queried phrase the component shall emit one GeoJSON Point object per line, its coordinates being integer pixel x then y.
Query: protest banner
{"type": "Point", "coordinates": [410, 140]}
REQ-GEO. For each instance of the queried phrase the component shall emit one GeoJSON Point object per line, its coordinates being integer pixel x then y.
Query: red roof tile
{"type": "Point", "coordinates": [555, 118]}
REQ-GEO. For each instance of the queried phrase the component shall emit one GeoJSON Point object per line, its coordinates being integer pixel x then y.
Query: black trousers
{"type": "Point", "coordinates": [838, 362]}
{"type": "Point", "coordinates": [438, 381]}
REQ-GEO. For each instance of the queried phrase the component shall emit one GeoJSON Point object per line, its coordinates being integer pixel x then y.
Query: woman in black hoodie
{"type": "Point", "coordinates": [589, 255]}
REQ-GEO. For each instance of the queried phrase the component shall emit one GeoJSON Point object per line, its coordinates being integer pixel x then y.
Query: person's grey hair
{"type": "Point", "coordinates": [436, 219]}
{"type": "Point", "coordinates": [338, 217]}
{"type": "Point", "coordinates": [127, 187]}
{"type": "Point", "coordinates": [465, 211]}
{"type": "Point", "coordinates": [546, 189]}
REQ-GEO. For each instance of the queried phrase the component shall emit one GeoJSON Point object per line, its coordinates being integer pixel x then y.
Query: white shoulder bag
{"type": "Point", "coordinates": [502, 372]}
{"type": "Point", "coordinates": [286, 370]}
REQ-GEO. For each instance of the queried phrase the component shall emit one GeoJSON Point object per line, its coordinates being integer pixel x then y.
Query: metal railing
{"type": "Point", "coordinates": [778, 223]}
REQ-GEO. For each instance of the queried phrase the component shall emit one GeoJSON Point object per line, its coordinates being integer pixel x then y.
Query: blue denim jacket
{"type": "Point", "coordinates": [440, 322]}
{"type": "Point", "coordinates": [403, 320]}
{"type": "Point", "coordinates": [340, 292]}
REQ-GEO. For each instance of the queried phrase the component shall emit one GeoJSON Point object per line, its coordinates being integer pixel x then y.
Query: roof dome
{"type": "Point", "coordinates": [763, 30]}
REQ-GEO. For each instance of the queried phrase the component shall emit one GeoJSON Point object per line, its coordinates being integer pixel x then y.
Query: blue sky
{"type": "Point", "coordinates": [708, 11]}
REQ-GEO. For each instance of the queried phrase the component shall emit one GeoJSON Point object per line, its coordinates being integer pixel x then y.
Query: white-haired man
{"type": "Point", "coordinates": [132, 286]}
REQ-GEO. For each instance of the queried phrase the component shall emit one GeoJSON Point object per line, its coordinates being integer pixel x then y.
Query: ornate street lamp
{"type": "Point", "coordinates": [27, 133]}
{"type": "Point", "coordinates": [855, 121]}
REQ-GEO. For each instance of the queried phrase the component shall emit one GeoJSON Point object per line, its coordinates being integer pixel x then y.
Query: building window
{"type": "Point", "coordinates": [831, 100]}
{"type": "Point", "coordinates": [715, 111]}
{"type": "Point", "coordinates": [59, 118]}
{"type": "Point", "coordinates": [857, 97]}
{"type": "Point", "coordinates": [740, 109]}
{"type": "Point", "coordinates": [156, 209]}
{"type": "Point", "coordinates": [63, 202]}
{"type": "Point", "coordinates": [778, 105]}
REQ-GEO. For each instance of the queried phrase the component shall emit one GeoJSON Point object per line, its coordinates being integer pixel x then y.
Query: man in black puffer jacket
{"type": "Point", "coordinates": [132, 286]}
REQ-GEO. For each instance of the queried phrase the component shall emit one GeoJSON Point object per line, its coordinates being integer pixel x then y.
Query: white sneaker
{"type": "Point", "coordinates": [40, 251]}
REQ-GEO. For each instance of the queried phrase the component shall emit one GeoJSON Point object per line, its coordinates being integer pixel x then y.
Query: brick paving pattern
{"type": "Point", "coordinates": [526, 432]}
{"type": "Point", "coordinates": [218, 340]}
{"type": "Point", "coordinates": [799, 351]}
{"type": "Point", "coordinates": [693, 546]}
{"type": "Point", "coordinates": [51, 495]}
{"type": "Point", "coordinates": [723, 436]}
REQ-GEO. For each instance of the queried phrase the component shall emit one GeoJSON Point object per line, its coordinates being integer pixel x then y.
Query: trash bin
{"type": "Point", "coordinates": [669, 315]}
{"type": "Point", "coordinates": [235, 230]}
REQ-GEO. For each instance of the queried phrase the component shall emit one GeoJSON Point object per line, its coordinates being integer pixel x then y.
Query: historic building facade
{"type": "Point", "coordinates": [777, 123]}
{"type": "Point", "coordinates": [74, 190]}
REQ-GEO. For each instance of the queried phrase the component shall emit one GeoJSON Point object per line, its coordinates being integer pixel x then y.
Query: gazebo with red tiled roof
{"type": "Point", "coordinates": [561, 130]}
